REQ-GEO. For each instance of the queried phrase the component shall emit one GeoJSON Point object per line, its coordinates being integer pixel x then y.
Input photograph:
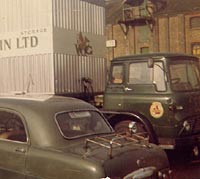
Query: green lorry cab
{"type": "Point", "coordinates": [160, 90]}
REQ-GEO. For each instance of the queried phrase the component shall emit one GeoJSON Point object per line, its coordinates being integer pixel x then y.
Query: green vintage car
{"type": "Point", "coordinates": [51, 137]}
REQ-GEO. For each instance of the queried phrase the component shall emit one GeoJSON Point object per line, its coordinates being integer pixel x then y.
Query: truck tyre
{"type": "Point", "coordinates": [122, 127]}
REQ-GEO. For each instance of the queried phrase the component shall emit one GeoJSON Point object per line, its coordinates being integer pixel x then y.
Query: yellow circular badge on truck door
{"type": "Point", "coordinates": [156, 110]}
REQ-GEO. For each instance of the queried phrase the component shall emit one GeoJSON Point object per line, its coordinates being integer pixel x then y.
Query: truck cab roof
{"type": "Point", "coordinates": [152, 55]}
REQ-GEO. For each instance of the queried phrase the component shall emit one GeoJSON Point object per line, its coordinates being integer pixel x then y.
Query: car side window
{"type": "Point", "coordinates": [12, 127]}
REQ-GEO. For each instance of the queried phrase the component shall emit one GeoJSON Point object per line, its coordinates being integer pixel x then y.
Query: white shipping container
{"type": "Point", "coordinates": [48, 46]}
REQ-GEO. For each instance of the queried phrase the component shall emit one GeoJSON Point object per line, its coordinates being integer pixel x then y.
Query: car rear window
{"type": "Point", "coordinates": [76, 124]}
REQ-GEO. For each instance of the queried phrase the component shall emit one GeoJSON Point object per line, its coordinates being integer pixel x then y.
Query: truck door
{"type": "Point", "coordinates": [13, 146]}
{"type": "Point", "coordinates": [145, 86]}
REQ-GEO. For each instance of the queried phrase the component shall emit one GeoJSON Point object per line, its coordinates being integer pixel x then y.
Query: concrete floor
{"type": "Point", "coordinates": [182, 168]}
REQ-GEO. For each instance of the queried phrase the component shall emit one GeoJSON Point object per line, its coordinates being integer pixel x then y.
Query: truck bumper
{"type": "Point", "coordinates": [175, 143]}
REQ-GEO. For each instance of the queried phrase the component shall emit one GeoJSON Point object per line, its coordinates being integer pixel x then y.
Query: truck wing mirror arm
{"type": "Point", "coordinates": [150, 63]}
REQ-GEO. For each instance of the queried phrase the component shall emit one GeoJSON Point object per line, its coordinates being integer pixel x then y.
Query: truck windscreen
{"type": "Point", "coordinates": [184, 75]}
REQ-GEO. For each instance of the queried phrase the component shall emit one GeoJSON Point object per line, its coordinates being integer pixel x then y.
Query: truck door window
{"type": "Point", "coordinates": [117, 74]}
{"type": "Point", "coordinates": [140, 73]}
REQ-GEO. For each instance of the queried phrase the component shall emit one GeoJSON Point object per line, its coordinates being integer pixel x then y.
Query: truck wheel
{"type": "Point", "coordinates": [122, 127]}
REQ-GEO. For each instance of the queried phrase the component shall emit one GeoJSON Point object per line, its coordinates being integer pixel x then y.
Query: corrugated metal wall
{"type": "Point", "coordinates": [23, 67]}
{"type": "Point", "coordinates": [31, 66]}
{"type": "Point", "coordinates": [32, 74]}
{"type": "Point", "coordinates": [16, 15]}
{"type": "Point", "coordinates": [69, 69]}
{"type": "Point", "coordinates": [79, 16]}
{"type": "Point", "coordinates": [73, 17]}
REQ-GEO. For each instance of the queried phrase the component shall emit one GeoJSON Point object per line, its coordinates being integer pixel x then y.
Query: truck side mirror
{"type": "Point", "coordinates": [150, 63]}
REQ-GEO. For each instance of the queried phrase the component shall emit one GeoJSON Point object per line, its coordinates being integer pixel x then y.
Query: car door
{"type": "Point", "coordinates": [13, 145]}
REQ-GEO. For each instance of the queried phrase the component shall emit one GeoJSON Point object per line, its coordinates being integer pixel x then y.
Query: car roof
{"type": "Point", "coordinates": [27, 101]}
{"type": "Point", "coordinates": [39, 115]}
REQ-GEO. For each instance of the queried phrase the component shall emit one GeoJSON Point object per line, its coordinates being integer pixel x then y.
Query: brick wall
{"type": "Point", "coordinates": [130, 43]}
{"type": "Point", "coordinates": [170, 34]}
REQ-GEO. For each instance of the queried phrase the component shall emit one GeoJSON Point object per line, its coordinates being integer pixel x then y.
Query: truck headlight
{"type": "Point", "coordinates": [186, 125]}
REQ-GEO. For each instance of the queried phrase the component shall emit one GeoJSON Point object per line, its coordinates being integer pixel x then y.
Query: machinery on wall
{"type": "Point", "coordinates": [140, 12]}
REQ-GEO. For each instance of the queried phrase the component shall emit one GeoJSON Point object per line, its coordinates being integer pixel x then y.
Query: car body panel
{"type": "Point", "coordinates": [13, 156]}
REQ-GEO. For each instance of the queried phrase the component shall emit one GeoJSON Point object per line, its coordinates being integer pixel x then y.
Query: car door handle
{"type": "Point", "coordinates": [128, 89]}
{"type": "Point", "coordinates": [21, 150]}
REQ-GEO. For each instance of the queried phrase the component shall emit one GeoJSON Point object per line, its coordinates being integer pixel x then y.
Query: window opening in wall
{"type": "Point", "coordinates": [196, 49]}
{"type": "Point", "coordinates": [144, 50]}
{"type": "Point", "coordinates": [195, 22]}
